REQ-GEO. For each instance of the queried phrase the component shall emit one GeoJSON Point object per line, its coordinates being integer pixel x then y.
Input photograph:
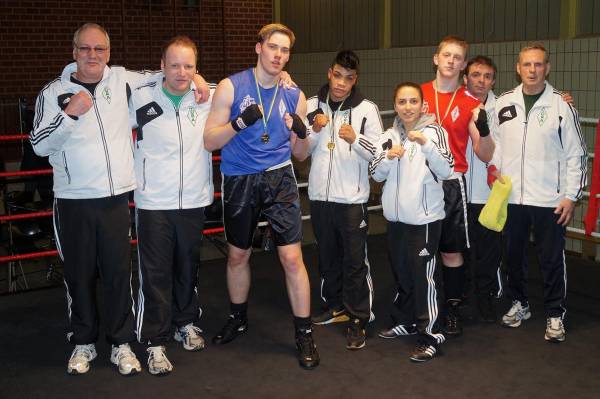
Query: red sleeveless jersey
{"type": "Point", "coordinates": [456, 121]}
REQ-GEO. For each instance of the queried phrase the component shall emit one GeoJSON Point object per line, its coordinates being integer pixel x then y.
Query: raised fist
{"type": "Point", "coordinates": [397, 151]}
{"type": "Point", "coordinates": [347, 133]}
{"type": "Point", "coordinates": [417, 136]}
{"type": "Point", "coordinates": [79, 104]}
{"type": "Point", "coordinates": [248, 117]}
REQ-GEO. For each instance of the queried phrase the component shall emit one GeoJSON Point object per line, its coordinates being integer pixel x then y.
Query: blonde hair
{"type": "Point", "coordinates": [451, 39]}
{"type": "Point", "coordinates": [179, 40]}
{"type": "Point", "coordinates": [86, 26]}
{"type": "Point", "coordinates": [268, 30]}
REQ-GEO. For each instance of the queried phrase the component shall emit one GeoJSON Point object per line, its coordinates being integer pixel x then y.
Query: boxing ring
{"type": "Point", "coordinates": [14, 259]}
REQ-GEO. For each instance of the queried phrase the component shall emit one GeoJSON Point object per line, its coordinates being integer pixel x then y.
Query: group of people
{"type": "Point", "coordinates": [448, 141]}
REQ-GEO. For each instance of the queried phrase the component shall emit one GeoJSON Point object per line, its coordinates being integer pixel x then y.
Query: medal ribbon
{"type": "Point", "coordinates": [437, 107]}
{"type": "Point", "coordinates": [264, 119]}
{"type": "Point", "coordinates": [334, 114]}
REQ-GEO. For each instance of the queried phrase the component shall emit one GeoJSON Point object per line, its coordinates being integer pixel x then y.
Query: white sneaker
{"type": "Point", "coordinates": [158, 364]}
{"type": "Point", "coordinates": [190, 337]}
{"type": "Point", "coordinates": [123, 357]}
{"type": "Point", "coordinates": [555, 330]}
{"type": "Point", "coordinates": [79, 362]}
{"type": "Point", "coordinates": [515, 315]}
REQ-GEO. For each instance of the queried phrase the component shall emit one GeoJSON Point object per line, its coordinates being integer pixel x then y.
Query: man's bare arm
{"type": "Point", "coordinates": [218, 130]}
{"type": "Point", "coordinates": [300, 146]}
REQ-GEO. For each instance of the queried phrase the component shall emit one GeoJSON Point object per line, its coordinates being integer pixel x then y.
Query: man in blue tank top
{"type": "Point", "coordinates": [259, 125]}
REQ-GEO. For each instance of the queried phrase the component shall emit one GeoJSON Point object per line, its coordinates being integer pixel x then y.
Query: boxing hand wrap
{"type": "Point", "coordinates": [298, 126]}
{"type": "Point", "coordinates": [311, 115]}
{"type": "Point", "coordinates": [482, 124]}
{"type": "Point", "coordinates": [247, 118]}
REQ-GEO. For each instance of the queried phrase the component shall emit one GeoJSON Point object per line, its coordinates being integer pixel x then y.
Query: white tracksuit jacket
{"type": "Point", "coordinates": [341, 175]}
{"type": "Point", "coordinates": [172, 168]}
{"type": "Point", "coordinates": [92, 156]}
{"type": "Point", "coordinates": [544, 153]}
{"type": "Point", "coordinates": [478, 190]}
{"type": "Point", "coordinates": [413, 192]}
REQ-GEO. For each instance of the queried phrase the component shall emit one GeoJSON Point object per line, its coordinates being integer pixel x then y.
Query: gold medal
{"type": "Point", "coordinates": [265, 138]}
{"type": "Point", "coordinates": [330, 146]}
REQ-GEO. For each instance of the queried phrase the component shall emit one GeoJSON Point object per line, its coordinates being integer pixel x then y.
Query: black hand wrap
{"type": "Point", "coordinates": [247, 118]}
{"type": "Point", "coordinates": [298, 126]}
{"type": "Point", "coordinates": [311, 115]}
{"type": "Point", "coordinates": [482, 124]}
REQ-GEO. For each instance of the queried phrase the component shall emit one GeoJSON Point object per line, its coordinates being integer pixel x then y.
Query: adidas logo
{"type": "Point", "coordinates": [424, 252]}
{"type": "Point", "coordinates": [151, 111]}
{"type": "Point", "coordinates": [362, 225]}
{"type": "Point", "coordinates": [507, 114]}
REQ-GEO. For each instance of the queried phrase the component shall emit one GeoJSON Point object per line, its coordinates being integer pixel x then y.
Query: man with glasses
{"type": "Point", "coordinates": [82, 123]}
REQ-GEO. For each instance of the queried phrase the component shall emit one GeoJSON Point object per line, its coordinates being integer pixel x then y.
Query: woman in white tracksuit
{"type": "Point", "coordinates": [413, 159]}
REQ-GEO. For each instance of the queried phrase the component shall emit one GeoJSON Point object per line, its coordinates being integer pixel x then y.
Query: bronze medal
{"type": "Point", "coordinates": [265, 138]}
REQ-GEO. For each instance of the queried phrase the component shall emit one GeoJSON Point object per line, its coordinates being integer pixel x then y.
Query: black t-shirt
{"type": "Point", "coordinates": [91, 87]}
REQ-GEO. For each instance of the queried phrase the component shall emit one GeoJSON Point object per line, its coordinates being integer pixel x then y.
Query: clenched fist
{"type": "Point", "coordinates": [347, 133]}
{"type": "Point", "coordinates": [417, 136]}
{"type": "Point", "coordinates": [321, 120]}
{"type": "Point", "coordinates": [395, 152]}
{"type": "Point", "coordinates": [79, 104]}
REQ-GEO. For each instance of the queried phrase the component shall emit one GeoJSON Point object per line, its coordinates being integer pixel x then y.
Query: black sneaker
{"type": "Point", "coordinates": [330, 316]}
{"type": "Point", "coordinates": [308, 357]}
{"type": "Point", "coordinates": [356, 336]}
{"type": "Point", "coordinates": [231, 330]}
{"type": "Point", "coordinates": [487, 308]}
{"type": "Point", "coordinates": [399, 330]}
{"type": "Point", "coordinates": [452, 322]}
{"type": "Point", "coordinates": [423, 352]}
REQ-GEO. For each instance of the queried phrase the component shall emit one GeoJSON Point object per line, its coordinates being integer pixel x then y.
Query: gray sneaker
{"type": "Point", "coordinates": [79, 362]}
{"type": "Point", "coordinates": [123, 357]}
{"type": "Point", "coordinates": [189, 336]}
{"type": "Point", "coordinates": [515, 315]}
{"type": "Point", "coordinates": [158, 363]}
{"type": "Point", "coordinates": [555, 330]}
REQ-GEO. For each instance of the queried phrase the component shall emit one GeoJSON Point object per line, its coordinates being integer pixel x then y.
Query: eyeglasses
{"type": "Point", "coordinates": [100, 50]}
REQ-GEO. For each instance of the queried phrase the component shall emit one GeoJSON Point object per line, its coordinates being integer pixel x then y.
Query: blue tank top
{"type": "Point", "coordinates": [246, 153]}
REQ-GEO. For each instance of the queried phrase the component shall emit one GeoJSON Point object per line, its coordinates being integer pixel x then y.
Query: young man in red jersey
{"type": "Point", "coordinates": [458, 112]}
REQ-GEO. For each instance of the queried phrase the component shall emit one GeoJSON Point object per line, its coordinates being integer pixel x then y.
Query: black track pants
{"type": "Point", "coordinates": [412, 250]}
{"type": "Point", "coordinates": [341, 234]}
{"type": "Point", "coordinates": [92, 236]}
{"type": "Point", "coordinates": [169, 256]}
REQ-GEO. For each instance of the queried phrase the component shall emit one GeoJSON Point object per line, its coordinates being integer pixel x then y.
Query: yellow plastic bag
{"type": "Point", "coordinates": [493, 214]}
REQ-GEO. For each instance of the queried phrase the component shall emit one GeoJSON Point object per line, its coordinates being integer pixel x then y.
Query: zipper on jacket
{"type": "Point", "coordinates": [424, 200]}
{"type": "Point", "coordinates": [144, 174]}
{"type": "Point", "coordinates": [397, 188]}
{"type": "Point", "coordinates": [180, 158]}
{"type": "Point", "coordinates": [523, 157]}
{"type": "Point", "coordinates": [104, 143]}
{"type": "Point", "coordinates": [558, 179]}
{"type": "Point", "coordinates": [66, 167]}
{"type": "Point", "coordinates": [358, 185]}
{"type": "Point", "coordinates": [332, 138]}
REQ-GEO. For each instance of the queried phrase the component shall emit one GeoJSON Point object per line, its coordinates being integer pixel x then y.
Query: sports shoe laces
{"type": "Point", "coordinates": [306, 344]}
{"type": "Point", "coordinates": [82, 351]}
{"type": "Point", "coordinates": [156, 353]}
{"type": "Point", "coordinates": [124, 352]}
{"type": "Point", "coordinates": [515, 308]}
{"type": "Point", "coordinates": [190, 330]}
{"type": "Point", "coordinates": [555, 323]}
